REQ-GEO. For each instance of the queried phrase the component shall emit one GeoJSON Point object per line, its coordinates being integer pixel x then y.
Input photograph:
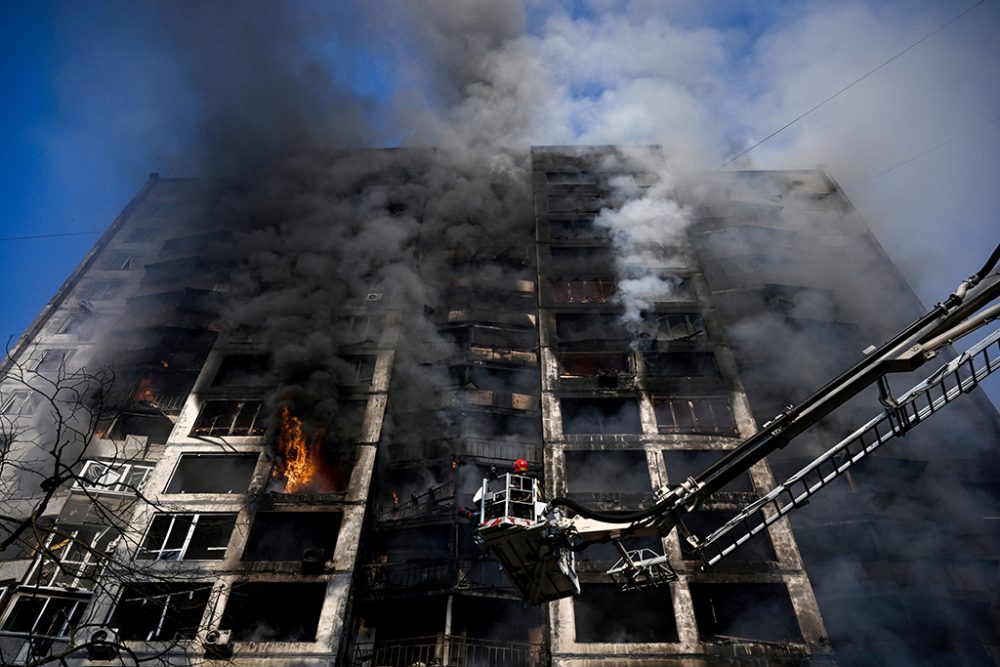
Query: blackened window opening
{"type": "Point", "coordinates": [213, 473]}
{"type": "Point", "coordinates": [761, 611]}
{"type": "Point", "coordinates": [234, 418]}
{"type": "Point", "coordinates": [292, 535]}
{"type": "Point", "coordinates": [710, 415]}
{"type": "Point", "coordinates": [600, 415]}
{"type": "Point", "coordinates": [260, 611]}
{"type": "Point", "coordinates": [160, 611]}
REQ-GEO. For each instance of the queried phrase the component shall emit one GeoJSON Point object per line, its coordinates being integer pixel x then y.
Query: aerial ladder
{"type": "Point", "coordinates": [536, 540]}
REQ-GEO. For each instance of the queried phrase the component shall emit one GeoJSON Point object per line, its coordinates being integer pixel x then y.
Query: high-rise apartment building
{"type": "Point", "coordinates": [313, 374]}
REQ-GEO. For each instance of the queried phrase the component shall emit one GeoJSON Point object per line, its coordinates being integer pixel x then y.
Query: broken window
{"type": "Point", "coordinates": [569, 177]}
{"type": "Point", "coordinates": [101, 289]}
{"type": "Point", "coordinates": [161, 610]}
{"type": "Point", "coordinates": [213, 473]}
{"type": "Point", "coordinates": [102, 477]}
{"type": "Point", "coordinates": [355, 370]}
{"type": "Point", "coordinates": [590, 327]}
{"type": "Point", "coordinates": [187, 537]}
{"type": "Point", "coordinates": [591, 203]}
{"type": "Point", "coordinates": [681, 364]}
{"type": "Point", "coordinates": [290, 535]}
{"type": "Point", "coordinates": [744, 612]}
{"type": "Point", "coordinates": [582, 258]}
{"type": "Point", "coordinates": [45, 616]}
{"type": "Point", "coordinates": [151, 423]}
{"type": "Point", "coordinates": [684, 463]}
{"type": "Point", "coordinates": [675, 327]}
{"type": "Point", "coordinates": [52, 361]}
{"type": "Point", "coordinates": [605, 614]}
{"type": "Point", "coordinates": [121, 261]}
{"type": "Point", "coordinates": [579, 229]}
{"type": "Point", "coordinates": [80, 324]}
{"type": "Point", "coordinates": [72, 557]}
{"type": "Point", "coordinates": [600, 415]}
{"type": "Point", "coordinates": [582, 364]}
{"type": "Point", "coordinates": [18, 403]}
{"type": "Point", "coordinates": [244, 370]}
{"type": "Point", "coordinates": [259, 611]}
{"type": "Point", "coordinates": [224, 417]}
{"type": "Point", "coordinates": [583, 290]}
{"type": "Point", "coordinates": [710, 415]}
{"type": "Point", "coordinates": [607, 472]}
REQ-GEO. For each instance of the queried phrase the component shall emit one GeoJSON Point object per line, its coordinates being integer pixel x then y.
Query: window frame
{"type": "Point", "coordinates": [77, 606]}
{"type": "Point", "coordinates": [122, 485]}
{"type": "Point", "coordinates": [71, 536]}
{"type": "Point", "coordinates": [675, 428]}
{"type": "Point", "coordinates": [254, 429]}
{"type": "Point", "coordinates": [164, 553]}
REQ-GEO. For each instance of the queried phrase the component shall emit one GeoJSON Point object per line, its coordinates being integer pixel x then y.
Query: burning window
{"type": "Point", "coordinates": [213, 473]}
{"type": "Point", "coordinates": [187, 537]}
{"type": "Point", "coordinates": [319, 461]}
{"type": "Point", "coordinates": [710, 415]}
{"type": "Point", "coordinates": [260, 612]}
{"type": "Point", "coordinates": [600, 415]}
{"type": "Point", "coordinates": [681, 364]}
{"type": "Point", "coordinates": [72, 557]}
{"type": "Point", "coordinates": [45, 616]}
{"type": "Point", "coordinates": [747, 612]}
{"type": "Point", "coordinates": [583, 290]}
{"type": "Point", "coordinates": [607, 472]}
{"type": "Point", "coordinates": [292, 535]}
{"type": "Point", "coordinates": [582, 364]}
{"type": "Point", "coordinates": [684, 463]}
{"type": "Point", "coordinates": [230, 418]}
{"type": "Point", "coordinates": [160, 610]}
{"type": "Point", "coordinates": [244, 370]}
{"type": "Point", "coordinates": [149, 422]}
{"type": "Point", "coordinates": [605, 614]}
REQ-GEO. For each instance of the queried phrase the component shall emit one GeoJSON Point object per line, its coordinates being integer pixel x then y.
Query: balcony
{"type": "Point", "coordinates": [449, 651]}
{"type": "Point", "coordinates": [417, 576]}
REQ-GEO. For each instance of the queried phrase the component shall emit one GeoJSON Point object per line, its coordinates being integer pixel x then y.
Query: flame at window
{"type": "Point", "coordinates": [298, 459]}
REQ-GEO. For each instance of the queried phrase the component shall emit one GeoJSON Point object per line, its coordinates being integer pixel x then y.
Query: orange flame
{"type": "Point", "coordinates": [298, 460]}
{"type": "Point", "coordinates": [144, 391]}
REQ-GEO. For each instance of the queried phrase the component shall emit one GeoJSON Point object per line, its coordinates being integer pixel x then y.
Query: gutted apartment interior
{"type": "Point", "coordinates": [270, 514]}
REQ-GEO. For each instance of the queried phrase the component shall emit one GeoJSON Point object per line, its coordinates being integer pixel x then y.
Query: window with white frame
{"type": "Point", "coordinates": [44, 615]}
{"type": "Point", "coordinates": [18, 403]}
{"type": "Point", "coordinates": [105, 477]}
{"type": "Point", "coordinates": [187, 537]}
{"type": "Point", "coordinates": [149, 611]}
{"type": "Point", "coordinates": [72, 557]}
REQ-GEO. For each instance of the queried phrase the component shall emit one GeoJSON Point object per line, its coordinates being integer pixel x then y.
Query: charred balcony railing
{"type": "Point", "coordinates": [487, 451]}
{"type": "Point", "coordinates": [425, 575]}
{"type": "Point", "coordinates": [449, 651]}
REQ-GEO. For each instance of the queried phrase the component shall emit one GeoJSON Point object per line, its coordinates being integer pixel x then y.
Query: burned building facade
{"type": "Point", "coordinates": [311, 392]}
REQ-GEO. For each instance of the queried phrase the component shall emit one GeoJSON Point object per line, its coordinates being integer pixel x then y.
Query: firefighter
{"type": "Point", "coordinates": [521, 467]}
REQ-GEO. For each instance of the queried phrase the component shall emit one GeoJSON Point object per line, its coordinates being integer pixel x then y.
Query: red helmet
{"type": "Point", "coordinates": [521, 465]}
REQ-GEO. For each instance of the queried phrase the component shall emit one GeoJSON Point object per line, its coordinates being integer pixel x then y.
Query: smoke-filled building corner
{"type": "Point", "coordinates": [314, 372]}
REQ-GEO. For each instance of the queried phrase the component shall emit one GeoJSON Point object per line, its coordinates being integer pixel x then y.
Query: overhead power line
{"type": "Point", "coordinates": [940, 145]}
{"type": "Point", "coordinates": [852, 84]}
{"type": "Point", "coordinates": [47, 236]}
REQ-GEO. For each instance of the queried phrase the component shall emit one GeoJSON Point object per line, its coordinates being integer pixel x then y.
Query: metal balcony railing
{"type": "Point", "coordinates": [482, 574]}
{"type": "Point", "coordinates": [448, 651]}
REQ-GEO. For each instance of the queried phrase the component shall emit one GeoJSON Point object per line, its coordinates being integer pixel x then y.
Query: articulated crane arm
{"type": "Point", "coordinates": [537, 549]}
